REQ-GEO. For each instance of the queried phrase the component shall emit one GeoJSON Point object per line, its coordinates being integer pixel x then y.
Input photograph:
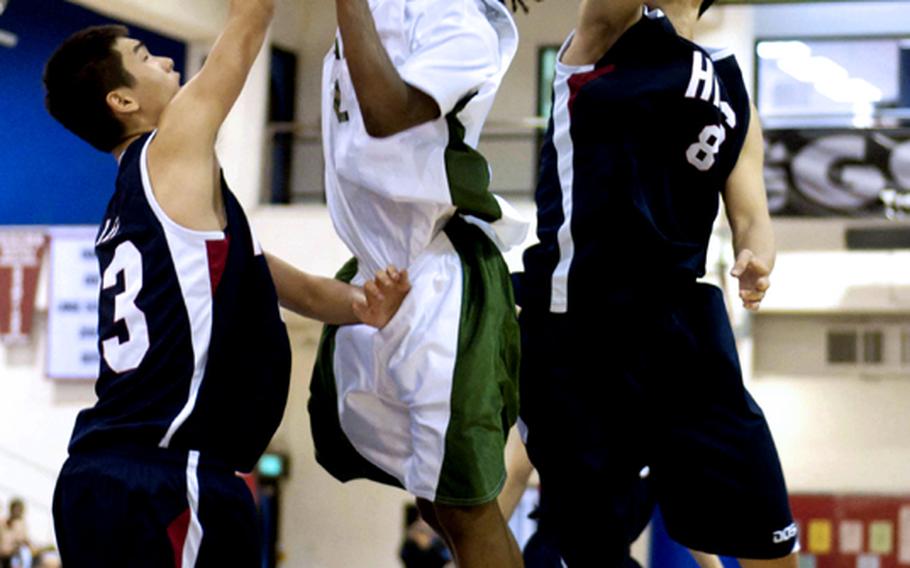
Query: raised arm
{"type": "Point", "coordinates": [182, 165]}
{"type": "Point", "coordinates": [747, 210]}
{"type": "Point", "coordinates": [600, 24]}
{"type": "Point", "coordinates": [200, 108]}
{"type": "Point", "coordinates": [388, 104]}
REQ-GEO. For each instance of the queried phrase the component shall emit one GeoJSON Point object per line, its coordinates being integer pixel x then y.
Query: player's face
{"type": "Point", "coordinates": [156, 82]}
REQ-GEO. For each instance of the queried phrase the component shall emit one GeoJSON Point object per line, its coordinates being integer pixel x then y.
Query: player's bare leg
{"type": "Point", "coordinates": [479, 536]}
{"type": "Point", "coordinates": [706, 560]}
{"type": "Point", "coordinates": [791, 561]}
{"type": "Point", "coordinates": [428, 513]}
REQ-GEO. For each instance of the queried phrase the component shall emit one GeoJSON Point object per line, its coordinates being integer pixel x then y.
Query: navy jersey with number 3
{"type": "Point", "coordinates": [194, 355]}
{"type": "Point", "coordinates": [639, 149]}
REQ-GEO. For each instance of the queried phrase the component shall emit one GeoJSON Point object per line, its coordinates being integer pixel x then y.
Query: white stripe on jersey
{"type": "Point", "coordinates": [194, 532]}
{"type": "Point", "coordinates": [191, 264]}
{"type": "Point", "coordinates": [565, 152]}
{"type": "Point", "coordinates": [718, 54]}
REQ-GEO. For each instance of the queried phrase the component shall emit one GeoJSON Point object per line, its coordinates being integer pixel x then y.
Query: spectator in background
{"type": "Point", "coordinates": [6, 547]}
{"type": "Point", "coordinates": [15, 547]}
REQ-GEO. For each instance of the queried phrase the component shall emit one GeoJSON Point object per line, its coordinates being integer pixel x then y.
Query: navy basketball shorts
{"type": "Point", "coordinates": [651, 382]}
{"type": "Point", "coordinates": [150, 508]}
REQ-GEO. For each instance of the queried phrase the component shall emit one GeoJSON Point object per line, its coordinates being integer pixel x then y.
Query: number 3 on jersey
{"type": "Point", "coordinates": [126, 356]}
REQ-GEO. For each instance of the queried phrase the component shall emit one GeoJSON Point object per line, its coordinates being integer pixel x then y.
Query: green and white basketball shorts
{"type": "Point", "coordinates": [426, 403]}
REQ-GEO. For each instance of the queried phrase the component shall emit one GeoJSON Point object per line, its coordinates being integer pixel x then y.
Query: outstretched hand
{"type": "Point", "coordinates": [516, 4]}
{"type": "Point", "coordinates": [753, 275]}
{"type": "Point", "coordinates": [382, 297]}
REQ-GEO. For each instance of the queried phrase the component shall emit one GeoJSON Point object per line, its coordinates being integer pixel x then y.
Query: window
{"type": "Point", "coordinates": [842, 347]}
{"type": "Point", "coordinates": [830, 82]}
{"type": "Point", "coordinates": [546, 72]}
{"type": "Point", "coordinates": [282, 112]}
{"type": "Point", "coordinates": [873, 347]}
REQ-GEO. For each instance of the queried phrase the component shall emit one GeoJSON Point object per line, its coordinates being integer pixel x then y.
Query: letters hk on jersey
{"type": "Point", "coordinates": [838, 172]}
{"type": "Point", "coordinates": [21, 252]}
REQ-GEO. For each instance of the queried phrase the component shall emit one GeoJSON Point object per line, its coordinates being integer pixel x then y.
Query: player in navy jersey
{"type": "Point", "coordinates": [628, 362]}
{"type": "Point", "coordinates": [195, 359]}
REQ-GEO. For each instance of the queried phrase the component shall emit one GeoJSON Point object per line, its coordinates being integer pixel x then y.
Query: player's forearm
{"type": "Point", "coordinates": [757, 235]}
{"type": "Point", "coordinates": [324, 299]}
{"type": "Point", "coordinates": [518, 470]}
{"type": "Point", "coordinates": [257, 12]}
{"type": "Point", "coordinates": [209, 96]}
{"type": "Point", "coordinates": [387, 103]}
{"type": "Point", "coordinates": [745, 198]}
{"type": "Point", "coordinates": [244, 34]}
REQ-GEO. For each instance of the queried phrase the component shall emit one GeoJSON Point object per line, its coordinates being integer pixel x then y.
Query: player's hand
{"type": "Point", "coordinates": [382, 297]}
{"type": "Point", "coordinates": [516, 4]}
{"type": "Point", "coordinates": [753, 275]}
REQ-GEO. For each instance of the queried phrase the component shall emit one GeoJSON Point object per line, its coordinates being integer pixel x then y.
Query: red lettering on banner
{"type": "Point", "coordinates": [21, 252]}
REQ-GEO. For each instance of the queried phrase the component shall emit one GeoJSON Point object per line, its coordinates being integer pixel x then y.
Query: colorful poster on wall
{"type": "Point", "coordinates": [853, 531]}
{"type": "Point", "coordinates": [72, 348]}
{"type": "Point", "coordinates": [838, 172]}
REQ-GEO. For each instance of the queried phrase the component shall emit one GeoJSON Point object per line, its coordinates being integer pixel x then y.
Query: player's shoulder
{"type": "Point", "coordinates": [658, 41]}
{"type": "Point", "coordinates": [725, 62]}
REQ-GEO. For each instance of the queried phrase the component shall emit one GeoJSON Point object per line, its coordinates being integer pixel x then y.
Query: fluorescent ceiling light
{"type": "Point", "coordinates": [829, 78]}
{"type": "Point", "coordinates": [783, 49]}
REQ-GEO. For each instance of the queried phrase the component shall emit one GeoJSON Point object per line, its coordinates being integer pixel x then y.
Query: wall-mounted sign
{"type": "Point", "coordinates": [849, 173]}
{"type": "Point", "coordinates": [853, 530]}
{"type": "Point", "coordinates": [72, 347]}
{"type": "Point", "coordinates": [21, 252]}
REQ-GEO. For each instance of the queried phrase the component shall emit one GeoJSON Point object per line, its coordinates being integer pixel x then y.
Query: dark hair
{"type": "Point", "coordinates": [705, 4]}
{"type": "Point", "coordinates": [77, 80]}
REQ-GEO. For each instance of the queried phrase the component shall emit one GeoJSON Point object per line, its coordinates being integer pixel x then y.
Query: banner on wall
{"type": "Point", "coordinates": [21, 253]}
{"type": "Point", "coordinates": [838, 172]}
{"type": "Point", "coordinates": [72, 329]}
{"type": "Point", "coordinates": [853, 531]}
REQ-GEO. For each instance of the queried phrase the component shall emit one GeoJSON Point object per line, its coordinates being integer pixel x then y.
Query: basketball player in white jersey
{"type": "Point", "coordinates": [426, 403]}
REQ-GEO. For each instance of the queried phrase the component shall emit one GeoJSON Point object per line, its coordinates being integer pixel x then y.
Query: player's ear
{"type": "Point", "coordinates": [122, 101]}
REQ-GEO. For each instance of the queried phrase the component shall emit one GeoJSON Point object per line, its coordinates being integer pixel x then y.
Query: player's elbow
{"type": "Point", "coordinates": [387, 117]}
{"type": "Point", "coordinates": [378, 130]}
{"type": "Point", "coordinates": [382, 125]}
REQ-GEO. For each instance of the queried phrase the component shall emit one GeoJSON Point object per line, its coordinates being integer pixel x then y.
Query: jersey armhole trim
{"type": "Point", "coordinates": [159, 212]}
{"type": "Point", "coordinates": [563, 69]}
{"type": "Point", "coordinates": [719, 53]}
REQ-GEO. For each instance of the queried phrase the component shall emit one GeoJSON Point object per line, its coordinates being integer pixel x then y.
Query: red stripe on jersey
{"type": "Point", "coordinates": [252, 484]}
{"type": "Point", "coordinates": [217, 253]}
{"type": "Point", "coordinates": [176, 532]}
{"type": "Point", "coordinates": [576, 82]}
